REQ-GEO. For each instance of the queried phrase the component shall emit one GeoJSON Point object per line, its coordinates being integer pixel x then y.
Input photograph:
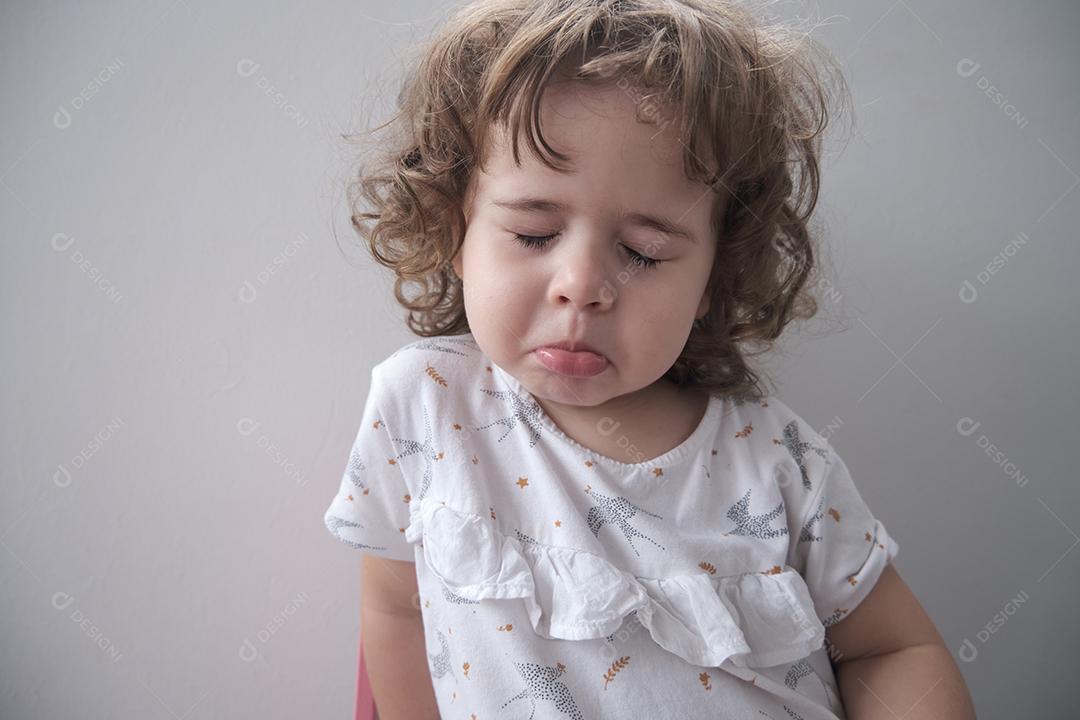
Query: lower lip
{"type": "Point", "coordinates": [572, 364]}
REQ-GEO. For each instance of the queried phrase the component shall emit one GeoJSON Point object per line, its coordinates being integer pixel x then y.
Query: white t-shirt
{"type": "Point", "coordinates": [556, 582]}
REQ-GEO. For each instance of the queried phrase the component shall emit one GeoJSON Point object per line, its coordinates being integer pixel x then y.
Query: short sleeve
{"type": "Point", "coordinates": [842, 548]}
{"type": "Point", "coordinates": [371, 508]}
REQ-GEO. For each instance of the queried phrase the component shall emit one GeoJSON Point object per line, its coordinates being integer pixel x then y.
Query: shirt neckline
{"type": "Point", "coordinates": [705, 428]}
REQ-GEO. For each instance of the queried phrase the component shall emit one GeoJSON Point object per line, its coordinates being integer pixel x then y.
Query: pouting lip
{"type": "Point", "coordinates": [571, 346]}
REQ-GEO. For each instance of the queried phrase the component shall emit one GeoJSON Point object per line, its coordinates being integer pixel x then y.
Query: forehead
{"type": "Point", "coordinates": [618, 149]}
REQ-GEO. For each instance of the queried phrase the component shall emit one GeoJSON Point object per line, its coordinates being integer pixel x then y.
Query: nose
{"type": "Point", "coordinates": [581, 277]}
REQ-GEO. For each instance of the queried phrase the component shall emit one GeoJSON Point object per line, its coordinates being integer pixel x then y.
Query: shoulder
{"type": "Point", "coordinates": [782, 445]}
{"type": "Point", "coordinates": [773, 422]}
{"type": "Point", "coordinates": [452, 355]}
{"type": "Point", "coordinates": [429, 370]}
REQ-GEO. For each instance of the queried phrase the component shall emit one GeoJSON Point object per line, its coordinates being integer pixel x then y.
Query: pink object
{"type": "Point", "coordinates": [365, 700]}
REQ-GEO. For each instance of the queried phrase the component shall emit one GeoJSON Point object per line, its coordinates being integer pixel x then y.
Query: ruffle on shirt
{"type": "Point", "coordinates": [749, 620]}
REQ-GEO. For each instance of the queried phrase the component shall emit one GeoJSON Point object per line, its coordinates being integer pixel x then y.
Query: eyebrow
{"type": "Point", "coordinates": [652, 222]}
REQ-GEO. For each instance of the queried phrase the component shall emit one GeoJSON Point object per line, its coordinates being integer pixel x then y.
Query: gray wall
{"type": "Point", "coordinates": [186, 349]}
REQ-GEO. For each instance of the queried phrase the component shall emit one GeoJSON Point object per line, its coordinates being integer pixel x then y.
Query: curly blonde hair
{"type": "Point", "coordinates": [747, 93]}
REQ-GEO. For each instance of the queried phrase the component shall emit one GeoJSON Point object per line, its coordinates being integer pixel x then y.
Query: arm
{"type": "Point", "coordinates": [392, 632]}
{"type": "Point", "coordinates": [891, 662]}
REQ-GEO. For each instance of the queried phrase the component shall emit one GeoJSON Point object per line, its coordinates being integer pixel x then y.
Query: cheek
{"type": "Point", "coordinates": [665, 306]}
{"type": "Point", "coordinates": [497, 281]}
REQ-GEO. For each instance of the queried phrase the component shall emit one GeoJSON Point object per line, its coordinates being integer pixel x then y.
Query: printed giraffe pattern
{"type": "Point", "coordinates": [523, 411]}
{"type": "Point", "coordinates": [617, 511]}
{"type": "Point", "coordinates": [542, 683]}
{"type": "Point", "coordinates": [424, 448]}
{"type": "Point", "coordinates": [756, 526]}
{"type": "Point", "coordinates": [799, 449]}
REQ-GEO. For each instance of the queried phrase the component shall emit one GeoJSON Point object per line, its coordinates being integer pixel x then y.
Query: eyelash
{"type": "Point", "coordinates": [538, 241]}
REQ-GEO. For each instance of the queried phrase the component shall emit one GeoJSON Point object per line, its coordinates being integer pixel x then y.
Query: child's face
{"type": "Point", "coordinates": [584, 283]}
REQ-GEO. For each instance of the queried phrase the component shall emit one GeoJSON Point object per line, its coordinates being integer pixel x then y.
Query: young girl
{"type": "Point", "coordinates": [573, 497]}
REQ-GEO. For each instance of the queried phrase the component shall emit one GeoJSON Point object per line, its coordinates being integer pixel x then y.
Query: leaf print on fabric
{"type": "Point", "coordinates": [756, 526]}
{"type": "Point", "coordinates": [542, 683]}
{"type": "Point", "coordinates": [798, 449]}
{"type": "Point", "coordinates": [434, 375]}
{"type": "Point", "coordinates": [615, 668]}
{"type": "Point", "coordinates": [526, 412]}
{"type": "Point", "coordinates": [617, 511]}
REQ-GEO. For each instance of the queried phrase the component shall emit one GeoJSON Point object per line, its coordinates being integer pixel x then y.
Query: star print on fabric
{"type": "Point", "coordinates": [617, 511]}
{"type": "Point", "coordinates": [427, 452]}
{"type": "Point", "coordinates": [754, 525]}
{"type": "Point", "coordinates": [527, 412]}
{"type": "Point", "coordinates": [542, 683]}
{"type": "Point", "coordinates": [798, 449]}
{"type": "Point", "coordinates": [440, 662]}
{"type": "Point", "coordinates": [791, 713]}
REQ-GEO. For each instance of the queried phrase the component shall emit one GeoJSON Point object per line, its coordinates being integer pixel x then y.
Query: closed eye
{"type": "Point", "coordinates": [539, 241]}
